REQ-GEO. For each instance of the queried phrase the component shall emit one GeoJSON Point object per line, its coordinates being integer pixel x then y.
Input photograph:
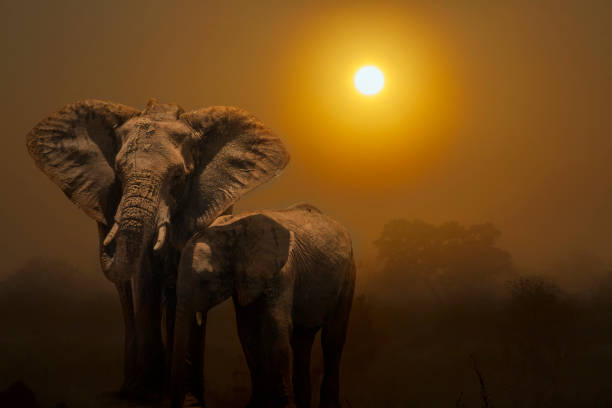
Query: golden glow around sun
{"type": "Point", "coordinates": [368, 104]}
{"type": "Point", "coordinates": [369, 80]}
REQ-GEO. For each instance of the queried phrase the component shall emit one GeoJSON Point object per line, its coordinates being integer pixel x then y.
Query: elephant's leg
{"type": "Point", "coordinates": [248, 332]}
{"type": "Point", "coordinates": [129, 348]}
{"type": "Point", "coordinates": [150, 357]}
{"type": "Point", "coordinates": [302, 345]}
{"type": "Point", "coordinates": [194, 382]}
{"type": "Point", "coordinates": [276, 356]}
{"type": "Point", "coordinates": [168, 310]}
{"type": "Point", "coordinates": [168, 306]}
{"type": "Point", "coordinates": [332, 343]}
{"type": "Point", "coordinates": [183, 331]}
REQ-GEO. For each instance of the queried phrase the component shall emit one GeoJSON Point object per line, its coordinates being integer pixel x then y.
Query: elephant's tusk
{"type": "Point", "coordinates": [111, 234]}
{"type": "Point", "coordinates": [161, 237]}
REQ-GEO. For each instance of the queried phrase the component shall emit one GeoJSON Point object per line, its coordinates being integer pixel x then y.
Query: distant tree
{"type": "Point", "coordinates": [448, 258]}
{"type": "Point", "coordinates": [533, 294]}
{"type": "Point", "coordinates": [579, 272]}
{"type": "Point", "coordinates": [540, 312]}
{"type": "Point", "coordinates": [540, 334]}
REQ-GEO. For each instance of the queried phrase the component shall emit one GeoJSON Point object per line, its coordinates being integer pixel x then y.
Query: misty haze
{"type": "Point", "coordinates": [474, 184]}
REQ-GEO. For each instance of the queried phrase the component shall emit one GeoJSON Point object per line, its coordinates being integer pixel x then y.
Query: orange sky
{"type": "Point", "coordinates": [490, 112]}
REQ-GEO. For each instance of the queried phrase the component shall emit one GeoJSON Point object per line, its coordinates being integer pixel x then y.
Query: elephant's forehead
{"type": "Point", "coordinates": [176, 129]}
{"type": "Point", "coordinates": [146, 130]}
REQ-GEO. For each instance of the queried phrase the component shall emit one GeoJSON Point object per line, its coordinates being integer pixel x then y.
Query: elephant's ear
{"type": "Point", "coordinates": [262, 249]}
{"type": "Point", "coordinates": [235, 153]}
{"type": "Point", "coordinates": [76, 147]}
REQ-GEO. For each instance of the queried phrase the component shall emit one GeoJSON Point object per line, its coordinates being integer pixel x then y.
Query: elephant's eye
{"type": "Point", "coordinates": [178, 185]}
{"type": "Point", "coordinates": [178, 177]}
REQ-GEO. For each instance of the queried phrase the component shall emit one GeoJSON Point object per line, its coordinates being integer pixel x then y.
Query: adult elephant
{"type": "Point", "coordinates": [291, 272]}
{"type": "Point", "coordinates": [150, 179]}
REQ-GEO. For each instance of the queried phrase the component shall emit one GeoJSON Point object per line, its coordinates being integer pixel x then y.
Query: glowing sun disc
{"type": "Point", "coordinates": [369, 80]}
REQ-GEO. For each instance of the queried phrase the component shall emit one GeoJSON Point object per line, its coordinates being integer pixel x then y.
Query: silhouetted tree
{"type": "Point", "coordinates": [579, 272]}
{"type": "Point", "coordinates": [541, 334]}
{"type": "Point", "coordinates": [448, 258]}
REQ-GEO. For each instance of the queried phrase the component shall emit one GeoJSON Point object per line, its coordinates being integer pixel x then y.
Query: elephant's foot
{"type": "Point", "coordinates": [260, 403]}
{"type": "Point", "coordinates": [325, 403]}
{"type": "Point", "coordinates": [140, 394]}
{"type": "Point", "coordinates": [127, 393]}
{"type": "Point", "coordinates": [143, 388]}
{"type": "Point", "coordinates": [117, 399]}
{"type": "Point", "coordinates": [330, 395]}
{"type": "Point", "coordinates": [192, 401]}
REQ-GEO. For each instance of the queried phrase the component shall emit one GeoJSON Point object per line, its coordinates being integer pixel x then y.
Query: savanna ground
{"type": "Point", "coordinates": [443, 318]}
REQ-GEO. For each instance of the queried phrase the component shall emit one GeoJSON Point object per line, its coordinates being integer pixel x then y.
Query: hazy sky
{"type": "Point", "coordinates": [492, 111]}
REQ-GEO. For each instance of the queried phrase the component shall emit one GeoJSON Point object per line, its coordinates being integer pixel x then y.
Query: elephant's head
{"type": "Point", "coordinates": [236, 255]}
{"type": "Point", "coordinates": [241, 256]}
{"type": "Point", "coordinates": [151, 178]}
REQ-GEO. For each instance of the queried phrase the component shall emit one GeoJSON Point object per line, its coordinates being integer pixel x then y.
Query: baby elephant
{"type": "Point", "coordinates": [290, 272]}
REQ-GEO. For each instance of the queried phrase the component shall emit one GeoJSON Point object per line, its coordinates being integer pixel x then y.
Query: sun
{"type": "Point", "coordinates": [369, 80]}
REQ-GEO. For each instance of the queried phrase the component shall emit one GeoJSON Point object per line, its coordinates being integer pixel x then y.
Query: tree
{"type": "Point", "coordinates": [449, 258]}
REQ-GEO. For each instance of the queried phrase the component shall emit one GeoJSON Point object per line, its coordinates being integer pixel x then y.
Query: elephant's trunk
{"type": "Point", "coordinates": [129, 238]}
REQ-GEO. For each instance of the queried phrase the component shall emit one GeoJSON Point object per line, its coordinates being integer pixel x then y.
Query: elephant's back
{"type": "Point", "coordinates": [320, 235]}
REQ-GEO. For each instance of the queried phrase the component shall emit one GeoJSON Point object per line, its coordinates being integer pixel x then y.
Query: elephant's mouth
{"type": "Point", "coordinates": [122, 250]}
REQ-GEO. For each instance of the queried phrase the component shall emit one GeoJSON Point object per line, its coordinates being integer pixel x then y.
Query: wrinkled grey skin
{"type": "Point", "coordinates": [290, 273]}
{"type": "Point", "coordinates": [150, 179]}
